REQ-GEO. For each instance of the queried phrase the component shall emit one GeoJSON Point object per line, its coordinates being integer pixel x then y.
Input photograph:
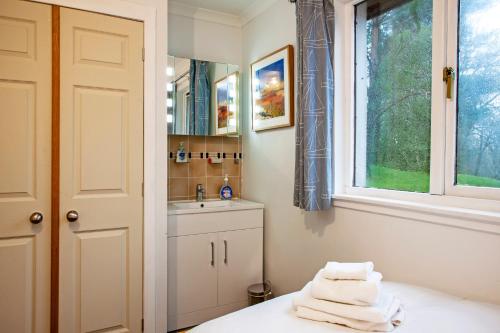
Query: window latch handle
{"type": "Point", "coordinates": [449, 78]}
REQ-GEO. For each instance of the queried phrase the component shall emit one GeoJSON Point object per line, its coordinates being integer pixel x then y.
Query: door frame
{"type": "Point", "coordinates": [155, 147]}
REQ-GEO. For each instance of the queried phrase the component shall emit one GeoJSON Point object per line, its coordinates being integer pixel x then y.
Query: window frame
{"type": "Point", "coordinates": [442, 190]}
{"type": "Point", "coordinates": [451, 122]}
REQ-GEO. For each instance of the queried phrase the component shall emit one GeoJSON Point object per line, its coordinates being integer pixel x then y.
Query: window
{"type": "Point", "coordinates": [408, 135]}
{"type": "Point", "coordinates": [478, 95]}
{"type": "Point", "coordinates": [393, 94]}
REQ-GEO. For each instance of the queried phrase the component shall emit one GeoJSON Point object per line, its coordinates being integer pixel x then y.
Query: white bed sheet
{"type": "Point", "coordinates": [426, 311]}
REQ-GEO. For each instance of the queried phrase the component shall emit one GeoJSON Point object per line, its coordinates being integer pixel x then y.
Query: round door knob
{"type": "Point", "coordinates": [36, 218]}
{"type": "Point", "coordinates": [72, 216]}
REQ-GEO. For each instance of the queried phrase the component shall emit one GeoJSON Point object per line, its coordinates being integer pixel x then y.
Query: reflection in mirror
{"type": "Point", "coordinates": [203, 97]}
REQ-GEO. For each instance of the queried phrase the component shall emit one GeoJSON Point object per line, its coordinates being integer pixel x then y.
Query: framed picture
{"type": "Point", "coordinates": [226, 104]}
{"type": "Point", "coordinates": [272, 90]}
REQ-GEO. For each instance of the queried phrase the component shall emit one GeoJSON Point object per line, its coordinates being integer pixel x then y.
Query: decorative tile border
{"type": "Point", "coordinates": [183, 177]}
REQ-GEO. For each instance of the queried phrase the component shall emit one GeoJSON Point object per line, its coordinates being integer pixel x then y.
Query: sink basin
{"type": "Point", "coordinates": [210, 206]}
{"type": "Point", "coordinates": [203, 204]}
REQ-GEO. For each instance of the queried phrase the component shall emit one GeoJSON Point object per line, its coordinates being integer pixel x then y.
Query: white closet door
{"type": "Point", "coordinates": [25, 139]}
{"type": "Point", "coordinates": [101, 173]}
{"type": "Point", "coordinates": [240, 263]}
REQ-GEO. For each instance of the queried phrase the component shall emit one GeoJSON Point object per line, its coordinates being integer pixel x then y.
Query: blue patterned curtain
{"type": "Point", "coordinates": [199, 92]}
{"type": "Point", "coordinates": [314, 130]}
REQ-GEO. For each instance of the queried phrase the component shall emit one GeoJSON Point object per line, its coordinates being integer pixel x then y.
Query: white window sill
{"type": "Point", "coordinates": [465, 218]}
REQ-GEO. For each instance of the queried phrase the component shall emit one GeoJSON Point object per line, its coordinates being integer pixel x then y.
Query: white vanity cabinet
{"type": "Point", "coordinates": [213, 256]}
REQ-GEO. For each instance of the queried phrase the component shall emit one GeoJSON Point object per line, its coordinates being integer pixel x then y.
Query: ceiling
{"type": "Point", "coordinates": [234, 7]}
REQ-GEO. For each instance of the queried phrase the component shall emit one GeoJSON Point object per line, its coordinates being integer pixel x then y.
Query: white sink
{"type": "Point", "coordinates": [193, 207]}
{"type": "Point", "coordinates": [203, 204]}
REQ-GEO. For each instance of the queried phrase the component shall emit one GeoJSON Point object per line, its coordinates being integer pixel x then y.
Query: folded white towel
{"type": "Point", "coordinates": [348, 271]}
{"type": "Point", "coordinates": [355, 292]}
{"type": "Point", "coordinates": [388, 326]}
{"type": "Point", "coordinates": [381, 312]}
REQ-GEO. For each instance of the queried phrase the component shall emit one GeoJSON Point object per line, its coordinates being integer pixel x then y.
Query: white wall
{"type": "Point", "coordinates": [203, 40]}
{"type": "Point", "coordinates": [297, 244]}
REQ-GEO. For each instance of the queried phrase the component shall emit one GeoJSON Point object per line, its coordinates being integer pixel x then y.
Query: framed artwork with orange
{"type": "Point", "coordinates": [272, 81]}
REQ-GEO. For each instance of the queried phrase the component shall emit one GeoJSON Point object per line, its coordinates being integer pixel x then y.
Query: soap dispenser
{"type": "Point", "coordinates": [181, 154]}
{"type": "Point", "coordinates": [226, 192]}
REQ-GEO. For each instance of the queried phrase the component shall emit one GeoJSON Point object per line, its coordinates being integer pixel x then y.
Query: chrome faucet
{"type": "Point", "coordinates": [199, 192]}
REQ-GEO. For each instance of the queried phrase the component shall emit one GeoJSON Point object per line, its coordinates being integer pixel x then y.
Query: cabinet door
{"type": "Point", "coordinates": [240, 263]}
{"type": "Point", "coordinates": [192, 273]}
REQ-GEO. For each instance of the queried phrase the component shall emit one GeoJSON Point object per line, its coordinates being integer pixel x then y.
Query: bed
{"type": "Point", "coordinates": [426, 311]}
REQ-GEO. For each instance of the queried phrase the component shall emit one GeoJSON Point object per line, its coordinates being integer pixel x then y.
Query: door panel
{"type": "Point", "coordinates": [18, 37]}
{"type": "Point", "coordinates": [100, 48]}
{"type": "Point", "coordinates": [17, 275]}
{"type": "Point", "coordinates": [103, 300]}
{"type": "Point", "coordinates": [101, 173]}
{"type": "Point", "coordinates": [25, 145]}
{"type": "Point", "coordinates": [192, 281]}
{"type": "Point", "coordinates": [101, 165]}
{"type": "Point", "coordinates": [240, 254]}
{"type": "Point", "coordinates": [17, 139]}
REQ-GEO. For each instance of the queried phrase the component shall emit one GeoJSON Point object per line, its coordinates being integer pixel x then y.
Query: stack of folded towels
{"type": "Point", "coordinates": [349, 294]}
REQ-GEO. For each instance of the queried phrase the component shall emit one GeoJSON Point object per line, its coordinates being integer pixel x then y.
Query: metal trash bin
{"type": "Point", "coordinates": [259, 292]}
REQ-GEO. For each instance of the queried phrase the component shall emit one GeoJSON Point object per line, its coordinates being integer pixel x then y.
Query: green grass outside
{"type": "Point", "coordinates": [415, 181]}
{"type": "Point", "coordinates": [393, 179]}
{"type": "Point", "coordinates": [477, 181]}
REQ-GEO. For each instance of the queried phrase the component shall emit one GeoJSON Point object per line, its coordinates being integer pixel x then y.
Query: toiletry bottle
{"type": "Point", "coordinates": [226, 192]}
{"type": "Point", "coordinates": [181, 154]}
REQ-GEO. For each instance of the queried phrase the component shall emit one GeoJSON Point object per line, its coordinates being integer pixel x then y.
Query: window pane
{"type": "Point", "coordinates": [393, 94]}
{"type": "Point", "coordinates": [478, 100]}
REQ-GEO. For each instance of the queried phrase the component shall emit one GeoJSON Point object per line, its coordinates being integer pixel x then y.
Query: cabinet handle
{"type": "Point", "coordinates": [213, 254]}
{"type": "Point", "coordinates": [225, 251]}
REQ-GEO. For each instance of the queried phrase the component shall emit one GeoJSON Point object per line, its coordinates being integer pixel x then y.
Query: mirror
{"type": "Point", "coordinates": [203, 97]}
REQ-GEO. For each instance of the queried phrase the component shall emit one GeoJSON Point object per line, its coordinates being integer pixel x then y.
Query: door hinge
{"type": "Point", "coordinates": [142, 189]}
{"type": "Point", "coordinates": [142, 325]}
{"type": "Point", "coordinates": [143, 54]}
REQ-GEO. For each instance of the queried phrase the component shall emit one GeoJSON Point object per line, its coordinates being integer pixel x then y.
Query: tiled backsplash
{"type": "Point", "coordinates": [183, 177]}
